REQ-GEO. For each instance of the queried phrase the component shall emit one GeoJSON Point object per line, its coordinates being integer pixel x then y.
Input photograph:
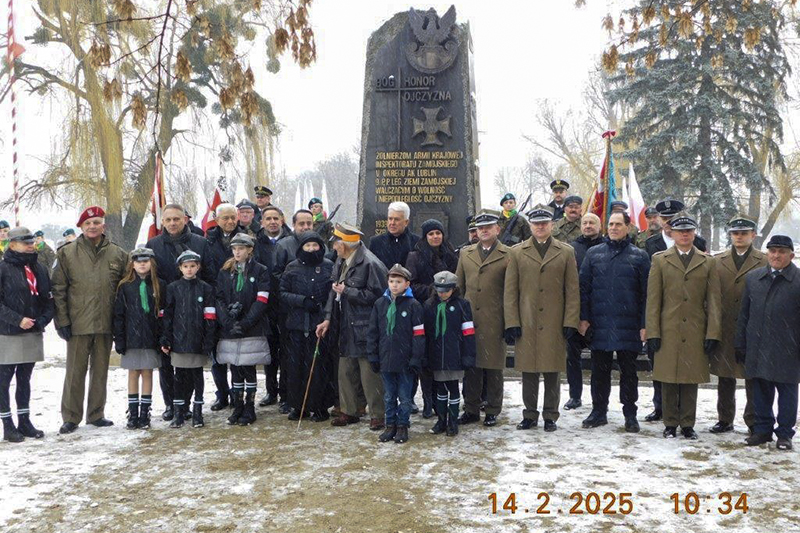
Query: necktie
{"type": "Point", "coordinates": [143, 296]}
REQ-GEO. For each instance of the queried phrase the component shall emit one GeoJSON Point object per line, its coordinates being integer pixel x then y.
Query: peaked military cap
{"type": "Point", "coordinates": [486, 217]}
{"type": "Point", "coordinates": [246, 204]}
{"type": "Point", "coordinates": [188, 255]}
{"type": "Point", "coordinates": [262, 190]}
{"type": "Point", "coordinates": [650, 212]}
{"type": "Point", "coordinates": [669, 207]}
{"type": "Point", "coordinates": [141, 253]}
{"type": "Point", "coordinates": [741, 223]}
{"type": "Point", "coordinates": [682, 221]}
{"type": "Point", "coordinates": [559, 184]}
{"type": "Point", "coordinates": [540, 213]}
{"type": "Point", "coordinates": [618, 204]}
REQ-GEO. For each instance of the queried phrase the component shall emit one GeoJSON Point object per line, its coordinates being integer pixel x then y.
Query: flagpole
{"type": "Point", "coordinates": [12, 58]}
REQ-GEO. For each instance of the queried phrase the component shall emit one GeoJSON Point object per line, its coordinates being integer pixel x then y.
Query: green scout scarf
{"type": "Point", "coordinates": [441, 319]}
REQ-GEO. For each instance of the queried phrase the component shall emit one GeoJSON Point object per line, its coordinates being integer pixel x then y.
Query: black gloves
{"type": "Point", "coordinates": [654, 345]}
{"type": "Point", "coordinates": [375, 366]}
{"type": "Point", "coordinates": [569, 332]}
{"type": "Point", "coordinates": [415, 367]}
{"type": "Point", "coordinates": [511, 335]}
{"type": "Point", "coordinates": [234, 310]}
{"type": "Point", "coordinates": [710, 346]}
{"type": "Point", "coordinates": [236, 331]}
{"type": "Point", "coordinates": [119, 348]}
{"type": "Point", "coordinates": [740, 355]}
{"type": "Point", "coordinates": [65, 332]}
{"type": "Point", "coordinates": [310, 305]}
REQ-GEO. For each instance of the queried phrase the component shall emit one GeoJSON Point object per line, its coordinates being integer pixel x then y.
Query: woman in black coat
{"type": "Point", "coordinates": [137, 309]}
{"type": "Point", "coordinates": [242, 294]}
{"type": "Point", "coordinates": [26, 307]}
{"type": "Point", "coordinates": [188, 335]}
{"type": "Point", "coordinates": [432, 253]}
{"type": "Point", "coordinates": [305, 285]}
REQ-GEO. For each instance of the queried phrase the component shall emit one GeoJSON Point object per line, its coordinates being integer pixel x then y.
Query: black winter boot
{"type": "Point", "coordinates": [197, 415]}
{"type": "Point", "coordinates": [26, 428]}
{"type": "Point", "coordinates": [249, 414]}
{"type": "Point", "coordinates": [388, 433]}
{"type": "Point", "coordinates": [133, 416]}
{"type": "Point", "coordinates": [177, 421]}
{"type": "Point", "coordinates": [428, 406]}
{"type": "Point", "coordinates": [10, 432]}
{"type": "Point", "coordinates": [238, 407]}
{"type": "Point", "coordinates": [402, 435]}
{"type": "Point", "coordinates": [452, 419]}
{"type": "Point", "coordinates": [441, 410]}
{"type": "Point", "coordinates": [144, 416]}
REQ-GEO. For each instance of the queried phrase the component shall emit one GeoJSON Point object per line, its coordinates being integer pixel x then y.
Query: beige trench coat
{"type": "Point", "coordinates": [482, 284]}
{"type": "Point", "coordinates": [542, 296]}
{"type": "Point", "coordinates": [683, 310]}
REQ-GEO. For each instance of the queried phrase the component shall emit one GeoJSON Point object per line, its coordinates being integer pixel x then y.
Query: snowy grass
{"type": "Point", "coordinates": [271, 477]}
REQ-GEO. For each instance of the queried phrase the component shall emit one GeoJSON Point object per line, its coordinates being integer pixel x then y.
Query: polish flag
{"type": "Point", "coordinates": [209, 221]}
{"type": "Point", "coordinates": [633, 197]}
{"type": "Point", "coordinates": [157, 202]}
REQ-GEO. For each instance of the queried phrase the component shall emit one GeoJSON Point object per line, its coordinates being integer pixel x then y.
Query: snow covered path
{"type": "Point", "coordinates": [270, 477]}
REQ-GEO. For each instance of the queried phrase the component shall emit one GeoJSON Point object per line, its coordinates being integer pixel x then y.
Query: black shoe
{"type": "Point", "coordinates": [178, 419]}
{"type": "Point", "coordinates": [414, 408]}
{"type": "Point", "coordinates": [490, 420]}
{"type": "Point", "coordinates": [102, 423]}
{"type": "Point", "coordinates": [527, 423]}
{"type": "Point", "coordinates": [197, 416]}
{"type": "Point", "coordinates": [238, 408]}
{"type": "Point", "coordinates": [168, 414]}
{"type": "Point", "coordinates": [67, 428]}
{"type": "Point", "coordinates": [427, 410]}
{"type": "Point", "coordinates": [721, 427]}
{"type": "Point", "coordinates": [631, 425]}
{"type": "Point", "coordinates": [595, 419]}
{"type": "Point", "coordinates": [573, 403]}
{"type": "Point", "coordinates": [655, 416]}
{"type": "Point", "coordinates": [784, 444]}
{"type": "Point", "coordinates": [469, 418]}
{"type": "Point", "coordinates": [670, 432]}
{"type": "Point", "coordinates": [388, 433]}
{"type": "Point", "coordinates": [294, 415]}
{"type": "Point", "coordinates": [249, 413]}
{"type": "Point", "coordinates": [144, 416]}
{"type": "Point", "coordinates": [440, 426]}
{"type": "Point", "coordinates": [220, 403]}
{"type": "Point", "coordinates": [26, 428]}
{"type": "Point", "coordinates": [402, 434]}
{"type": "Point", "coordinates": [268, 399]}
{"type": "Point", "coordinates": [689, 433]}
{"type": "Point", "coordinates": [133, 417]}
{"type": "Point", "coordinates": [550, 426]}
{"type": "Point", "coordinates": [484, 403]}
{"type": "Point", "coordinates": [320, 416]}
{"type": "Point", "coordinates": [10, 432]}
{"type": "Point", "coordinates": [284, 408]}
{"type": "Point", "coordinates": [757, 439]}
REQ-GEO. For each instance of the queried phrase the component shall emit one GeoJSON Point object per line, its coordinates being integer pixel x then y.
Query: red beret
{"type": "Point", "coordinates": [91, 212]}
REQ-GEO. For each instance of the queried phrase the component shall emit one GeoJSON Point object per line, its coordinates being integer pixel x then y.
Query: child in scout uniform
{"type": "Point", "coordinates": [189, 333]}
{"type": "Point", "coordinates": [395, 348]}
{"type": "Point", "coordinates": [450, 347]}
{"type": "Point", "coordinates": [137, 310]}
{"type": "Point", "coordinates": [242, 297]}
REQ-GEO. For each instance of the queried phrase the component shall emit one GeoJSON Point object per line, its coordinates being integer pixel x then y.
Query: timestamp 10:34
{"type": "Point", "coordinates": [611, 503]}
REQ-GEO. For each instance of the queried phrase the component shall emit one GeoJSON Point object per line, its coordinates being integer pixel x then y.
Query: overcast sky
{"type": "Point", "coordinates": [525, 51]}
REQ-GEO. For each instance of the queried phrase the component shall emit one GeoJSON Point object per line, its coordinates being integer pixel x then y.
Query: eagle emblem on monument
{"type": "Point", "coordinates": [436, 47]}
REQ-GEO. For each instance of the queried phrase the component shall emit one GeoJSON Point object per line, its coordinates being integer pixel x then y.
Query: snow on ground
{"type": "Point", "coordinates": [271, 477]}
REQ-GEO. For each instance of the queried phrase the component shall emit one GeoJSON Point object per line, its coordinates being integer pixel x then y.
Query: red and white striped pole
{"type": "Point", "coordinates": [12, 56]}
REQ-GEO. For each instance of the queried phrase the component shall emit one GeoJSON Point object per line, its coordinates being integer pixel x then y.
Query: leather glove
{"type": "Point", "coordinates": [310, 305]}
{"type": "Point", "coordinates": [234, 310]}
{"type": "Point", "coordinates": [236, 331]}
{"type": "Point", "coordinates": [710, 346]}
{"type": "Point", "coordinates": [740, 355]}
{"type": "Point", "coordinates": [654, 345]}
{"type": "Point", "coordinates": [65, 332]}
{"type": "Point", "coordinates": [375, 366]}
{"type": "Point", "coordinates": [511, 335]}
{"type": "Point", "coordinates": [569, 332]}
{"type": "Point", "coordinates": [120, 350]}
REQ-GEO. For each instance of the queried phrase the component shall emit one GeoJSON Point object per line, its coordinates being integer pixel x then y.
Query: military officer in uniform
{"type": "Point", "coordinates": [542, 311]}
{"type": "Point", "coordinates": [559, 188]}
{"type": "Point", "coordinates": [683, 324]}
{"type": "Point", "coordinates": [568, 228]}
{"type": "Point", "coordinates": [653, 227]}
{"type": "Point", "coordinates": [513, 228]}
{"type": "Point", "coordinates": [481, 276]}
{"type": "Point", "coordinates": [732, 267]}
{"type": "Point", "coordinates": [263, 200]}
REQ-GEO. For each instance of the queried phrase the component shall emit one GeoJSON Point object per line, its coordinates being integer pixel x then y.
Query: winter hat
{"type": "Point", "coordinates": [430, 225]}
{"type": "Point", "coordinates": [21, 233]}
{"type": "Point", "coordinates": [91, 212]}
{"type": "Point", "coordinates": [574, 199]}
{"type": "Point", "coordinates": [188, 255]}
{"type": "Point", "coordinates": [444, 281]}
{"type": "Point", "coordinates": [400, 270]}
{"type": "Point", "coordinates": [141, 254]}
{"type": "Point", "coordinates": [780, 241]}
{"type": "Point", "coordinates": [310, 236]}
{"type": "Point", "coordinates": [242, 239]}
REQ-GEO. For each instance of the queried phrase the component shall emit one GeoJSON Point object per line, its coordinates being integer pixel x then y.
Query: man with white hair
{"type": "Point", "coordinates": [217, 252]}
{"type": "Point", "coordinates": [85, 280]}
{"type": "Point", "coordinates": [393, 246]}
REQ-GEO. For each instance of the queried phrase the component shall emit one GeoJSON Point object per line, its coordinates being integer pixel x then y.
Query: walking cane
{"type": "Point", "coordinates": [308, 385]}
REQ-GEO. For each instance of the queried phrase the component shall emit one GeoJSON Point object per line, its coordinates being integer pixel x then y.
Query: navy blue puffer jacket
{"type": "Point", "coordinates": [613, 280]}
